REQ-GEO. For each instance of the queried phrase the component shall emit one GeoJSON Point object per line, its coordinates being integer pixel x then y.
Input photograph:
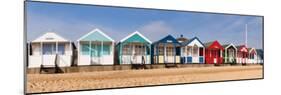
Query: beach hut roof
{"type": "Point", "coordinates": [240, 47]}
{"type": "Point", "coordinates": [187, 42]}
{"type": "Point", "coordinates": [136, 37]}
{"type": "Point", "coordinates": [50, 37]}
{"type": "Point", "coordinates": [182, 39]}
{"type": "Point", "coordinates": [251, 49]}
{"type": "Point", "coordinates": [210, 45]}
{"type": "Point", "coordinates": [229, 45]}
{"type": "Point", "coordinates": [96, 35]}
{"type": "Point", "coordinates": [207, 44]}
{"type": "Point", "coordinates": [167, 39]}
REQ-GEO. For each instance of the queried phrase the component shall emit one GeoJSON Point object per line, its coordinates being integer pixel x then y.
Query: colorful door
{"type": "Point", "coordinates": [215, 56]}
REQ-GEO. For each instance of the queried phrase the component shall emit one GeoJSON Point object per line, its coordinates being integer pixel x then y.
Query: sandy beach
{"type": "Point", "coordinates": [127, 78]}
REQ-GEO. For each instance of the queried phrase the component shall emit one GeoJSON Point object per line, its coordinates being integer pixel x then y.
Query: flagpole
{"type": "Point", "coordinates": [246, 36]}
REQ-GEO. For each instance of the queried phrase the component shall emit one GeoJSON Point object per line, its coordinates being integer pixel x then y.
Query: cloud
{"type": "Point", "coordinates": [155, 30]}
{"type": "Point", "coordinates": [38, 24]}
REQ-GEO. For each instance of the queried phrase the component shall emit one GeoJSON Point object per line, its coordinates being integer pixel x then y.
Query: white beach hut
{"type": "Point", "coordinates": [192, 51]}
{"type": "Point", "coordinates": [50, 50]}
{"type": "Point", "coordinates": [95, 48]}
{"type": "Point", "coordinates": [230, 53]}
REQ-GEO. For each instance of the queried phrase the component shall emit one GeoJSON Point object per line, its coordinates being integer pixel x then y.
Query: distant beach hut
{"type": "Point", "coordinates": [166, 50]}
{"type": "Point", "coordinates": [50, 50]}
{"type": "Point", "coordinates": [192, 51]}
{"type": "Point", "coordinates": [182, 39]}
{"type": "Point", "coordinates": [252, 58]}
{"type": "Point", "coordinates": [242, 54]}
{"type": "Point", "coordinates": [134, 49]}
{"type": "Point", "coordinates": [259, 56]}
{"type": "Point", "coordinates": [95, 48]}
{"type": "Point", "coordinates": [230, 53]}
{"type": "Point", "coordinates": [213, 52]}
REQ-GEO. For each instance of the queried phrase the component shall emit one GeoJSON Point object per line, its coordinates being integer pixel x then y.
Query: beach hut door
{"type": "Point", "coordinates": [215, 56]}
{"type": "Point", "coordinates": [215, 60]}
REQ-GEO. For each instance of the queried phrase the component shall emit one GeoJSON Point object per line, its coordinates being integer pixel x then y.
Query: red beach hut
{"type": "Point", "coordinates": [242, 54]}
{"type": "Point", "coordinates": [213, 53]}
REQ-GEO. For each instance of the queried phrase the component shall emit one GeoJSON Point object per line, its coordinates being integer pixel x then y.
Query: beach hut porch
{"type": "Point", "coordinates": [242, 55]}
{"type": "Point", "coordinates": [134, 49]}
{"type": "Point", "coordinates": [95, 53]}
{"type": "Point", "coordinates": [45, 53]}
{"type": "Point", "coordinates": [214, 56]}
{"type": "Point", "coordinates": [166, 53]}
{"type": "Point", "coordinates": [230, 54]}
{"type": "Point", "coordinates": [193, 54]}
{"type": "Point", "coordinates": [135, 53]}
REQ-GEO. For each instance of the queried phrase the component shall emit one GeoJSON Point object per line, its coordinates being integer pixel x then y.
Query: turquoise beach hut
{"type": "Point", "coordinates": [134, 49]}
{"type": "Point", "coordinates": [95, 48]}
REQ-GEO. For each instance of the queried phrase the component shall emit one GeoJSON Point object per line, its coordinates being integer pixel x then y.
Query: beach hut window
{"type": "Point", "coordinates": [85, 49]}
{"type": "Point", "coordinates": [201, 51]}
{"type": "Point", "coordinates": [49, 49]}
{"type": "Point", "coordinates": [178, 51]}
{"type": "Point", "coordinates": [188, 51]}
{"type": "Point", "coordinates": [147, 50]}
{"type": "Point", "coordinates": [230, 53]}
{"type": "Point", "coordinates": [106, 49]}
{"type": "Point", "coordinates": [183, 50]}
{"type": "Point", "coordinates": [252, 56]}
{"type": "Point", "coordinates": [161, 50]}
{"type": "Point", "coordinates": [61, 49]}
{"type": "Point", "coordinates": [170, 51]}
{"type": "Point", "coordinates": [195, 51]}
{"type": "Point", "coordinates": [96, 50]}
{"type": "Point", "coordinates": [35, 49]}
{"type": "Point", "coordinates": [126, 50]}
{"type": "Point", "coordinates": [139, 49]}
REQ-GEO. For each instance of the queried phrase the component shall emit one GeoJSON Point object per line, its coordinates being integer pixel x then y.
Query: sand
{"type": "Point", "coordinates": [127, 78]}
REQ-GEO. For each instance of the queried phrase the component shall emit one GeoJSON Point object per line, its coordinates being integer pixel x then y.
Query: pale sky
{"type": "Point", "coordinates": [73, 21]}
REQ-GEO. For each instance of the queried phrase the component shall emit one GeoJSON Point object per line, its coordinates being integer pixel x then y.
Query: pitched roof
{"type": "Point", "coordinates": [240, 46]}
{"type": "Point", "coordinates": [228, 45]}
{"type": "Point", "coordinates": [96, 35]}
{"type": "Point", "coordinates": [136, 36]}
{"type": "Point", "coordinates": [182, 39]}
{"type": "Point", "coordinates": [50, 37]}
{"type": "Point", "coordinates": [167, 39]}
{"type": "Point", "coordinates": [189, 41]}
{"type": "Point", "coordinates": [207, 44]}
{"type": "Point", "coordinates": [250, 49]}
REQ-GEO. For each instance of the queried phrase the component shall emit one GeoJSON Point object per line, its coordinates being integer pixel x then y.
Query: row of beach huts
{"type": "Point", "coordinates": [97, 48]}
